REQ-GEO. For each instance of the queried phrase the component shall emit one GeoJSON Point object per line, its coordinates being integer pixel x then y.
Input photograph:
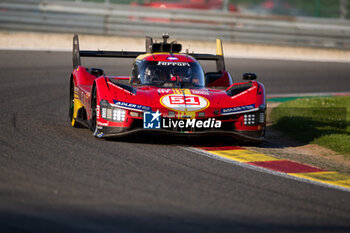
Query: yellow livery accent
{"type": "Point", "coordinates": [219, 49]}
{"type": "Point", "coordinates": [143, 56]}
{"type": "Point", "coordinates": [177, 91]}
{"type": "Point", "coordinates": [182, 91]}
{"type": "Point", "coordinates": [77, 106]}
{"type": "Point", "coordinates": [140, 57]}
{"type": "Point", "coordinates": [186, 91]}
{"type": "Point", "coordinates": [182, 114]}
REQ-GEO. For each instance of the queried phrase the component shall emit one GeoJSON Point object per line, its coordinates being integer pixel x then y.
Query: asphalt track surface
{"type": "Point", "coordinates": [55, 178]}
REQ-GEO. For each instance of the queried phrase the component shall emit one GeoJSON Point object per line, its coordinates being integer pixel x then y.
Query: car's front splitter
{"type": "Point", "coordinates": [108, 132]}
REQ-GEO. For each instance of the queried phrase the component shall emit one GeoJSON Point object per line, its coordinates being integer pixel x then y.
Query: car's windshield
{"type": "Point", "coordinates": [170, 74]}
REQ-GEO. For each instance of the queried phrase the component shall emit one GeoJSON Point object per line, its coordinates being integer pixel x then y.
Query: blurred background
{"type": "Point", "coordinates": [310, 23]}
{"type": "Point", "coordinates": [314, 8]}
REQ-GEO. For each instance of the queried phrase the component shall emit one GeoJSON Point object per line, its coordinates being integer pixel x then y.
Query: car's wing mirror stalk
{"type": "Point", "coordinates": [249, 76]}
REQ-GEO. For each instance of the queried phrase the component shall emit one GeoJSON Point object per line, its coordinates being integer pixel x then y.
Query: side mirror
{"type": "Point", "coordinates": [249, 76]}
{"type": "Point", "coordinates": [97, 72]}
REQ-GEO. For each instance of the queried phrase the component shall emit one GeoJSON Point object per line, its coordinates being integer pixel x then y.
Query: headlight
{"type": "Point", "coordinates": [118, 114]}
{"type": "Point", "coordinates": [103, 112]}
{"type": "Point", "coordinates": [111, 113]}
{"type": "Point", "coordinates": [249, 119]}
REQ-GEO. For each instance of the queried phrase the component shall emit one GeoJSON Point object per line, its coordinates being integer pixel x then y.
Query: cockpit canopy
{"type": "Point", "coordinates": [168, 74]}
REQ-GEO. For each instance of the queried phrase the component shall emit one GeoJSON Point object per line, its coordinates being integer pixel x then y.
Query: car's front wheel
{"type": "Point", "coordinates": [71, 104]}
{"type": "Point", "coordinates": [92, 123]}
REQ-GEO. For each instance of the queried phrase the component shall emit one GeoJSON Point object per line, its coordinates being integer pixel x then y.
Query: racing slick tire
{"type": "Point", "coordinates": [74, 109]}
{"type": "Point", "coordinates": [92, 121]}
{"type": "Point", "coordinates": [71, 104]}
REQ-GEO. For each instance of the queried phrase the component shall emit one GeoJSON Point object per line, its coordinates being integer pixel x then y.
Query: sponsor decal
{"type": "Point", "coordinates": [98, 112]}
{"type": "Point", "coordinates": [186, 103]}
{"type": "Point", "coordinates": [191, 123]}
{"type": "Point", "coordinates": [172, 58]}
{"type": "Point", "coordinates": [151, 120]}
{"type": "Point", "coordinates": [121, 88]}
{"type": "Point", "coordinates": [98, 134]}
{"type": "Point", "coordinates": [101, 124]}
{"type": "Point", "coordinates": [244, 92]}
{"type": "Point", "coordinates": [199, 92]}
{"type": "Point", "coordinates": [237, 109]}
{"type": "Point", "coordinates": [169, 63]}
{"type": "Point", "coordinates": [131, 106]}
{"type": "Point", "coordinates": [164, 91]}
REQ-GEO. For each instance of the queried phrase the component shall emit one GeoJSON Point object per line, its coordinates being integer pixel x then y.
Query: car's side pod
{"type": "Point", "coordinates": [236, 89]}
{"type": "Point", "coordinates": [218, 79]}
{"type": "Point", "coordinates": [124, 86]}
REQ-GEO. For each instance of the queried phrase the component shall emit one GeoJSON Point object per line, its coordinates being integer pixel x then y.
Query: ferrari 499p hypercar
{"type": "Point", "coordinates": [167, 92]}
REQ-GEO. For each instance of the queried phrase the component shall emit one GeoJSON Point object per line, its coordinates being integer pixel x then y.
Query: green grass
{"type": "Point", "coordinates": [322, 120]}
{"type": "Point", "coordinates": [316, 8]}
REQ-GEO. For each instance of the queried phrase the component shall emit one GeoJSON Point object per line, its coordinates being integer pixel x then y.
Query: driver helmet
{"type": "Point", "coordinates": [173, 74]}
{"type": "Point", "coordinates": [183, 74]}
{"type": "Point", "coordinates": [187, 75]}
{"type": "Point", "coordinates": [150, 75]}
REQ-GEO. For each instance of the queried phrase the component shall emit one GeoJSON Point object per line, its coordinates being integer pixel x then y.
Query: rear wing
{"type": "Point", "coordinates": [77, 54]}
{"type": "Point", "coordinates": [219, 57]}
{"type": "Point", "coordinates": [151, 47]}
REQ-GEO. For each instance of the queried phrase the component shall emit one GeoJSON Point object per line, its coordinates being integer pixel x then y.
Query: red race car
{"type": "Point", "coordinates": [167, 92]}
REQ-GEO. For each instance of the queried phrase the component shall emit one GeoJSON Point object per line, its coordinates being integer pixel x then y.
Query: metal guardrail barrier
{"type": "Point", "coordinates": [137, 21]}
